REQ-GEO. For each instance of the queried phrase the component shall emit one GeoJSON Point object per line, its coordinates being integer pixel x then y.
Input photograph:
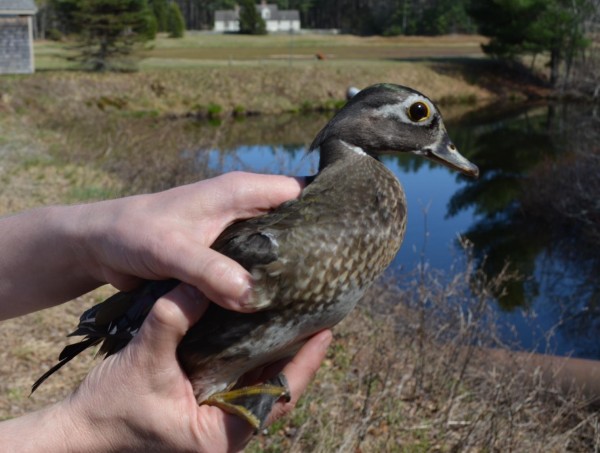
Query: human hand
{"type": "Point", "coordinates": [146, 401]}
{"type": "Point", "coordinates": [168, 234]}
{"type": "Point", "coordinates": [140, 399]}
{"type": "Point", "coordinates": [73, 249]}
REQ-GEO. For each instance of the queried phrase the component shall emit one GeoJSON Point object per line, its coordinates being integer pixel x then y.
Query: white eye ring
{"type": "Point", "coordinates": [401, 110]}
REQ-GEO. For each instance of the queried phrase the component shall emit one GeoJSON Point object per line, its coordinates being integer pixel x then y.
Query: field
{"type": "Point", "coordinates": [206, 49]}
{"type": "Point", "coordinates": [69, 136]}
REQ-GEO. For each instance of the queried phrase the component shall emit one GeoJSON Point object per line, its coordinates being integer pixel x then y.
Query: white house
{"type": "Point", "coordinates": [276, 20]}
{"type": "Point", "coordinates": [16, 38]}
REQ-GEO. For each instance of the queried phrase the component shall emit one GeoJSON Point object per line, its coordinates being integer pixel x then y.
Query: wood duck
{"type": "Point", "coordinates": [311, 259]}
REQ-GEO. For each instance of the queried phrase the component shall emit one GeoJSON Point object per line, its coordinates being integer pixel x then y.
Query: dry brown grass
{"type": "Point", "coordinates": [29, 345]}
{"type": "Point", "coordinates": [414, 380]}
{"type": "Point", "coordinates": [400, 376]}
{"type": "Point", "coordinates": [265, 89]}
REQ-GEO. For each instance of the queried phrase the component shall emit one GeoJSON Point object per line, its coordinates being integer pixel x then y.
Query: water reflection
{"type": "Point", "coordinates": [539, 182]}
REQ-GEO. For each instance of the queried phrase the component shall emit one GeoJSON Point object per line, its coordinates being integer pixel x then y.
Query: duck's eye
{"type": "Point", "coordinates": [418, 112]}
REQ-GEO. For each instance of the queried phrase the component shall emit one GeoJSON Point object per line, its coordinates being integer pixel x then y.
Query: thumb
{"type": "Point", "coordinates": [170, 319]}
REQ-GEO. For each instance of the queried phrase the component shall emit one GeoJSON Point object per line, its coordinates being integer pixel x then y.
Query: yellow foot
{"type": "Point", "coordinates": [253, 403]}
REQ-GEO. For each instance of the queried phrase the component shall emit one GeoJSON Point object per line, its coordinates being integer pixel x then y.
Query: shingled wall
{"type": "Point", "coordinates": [15, 51]}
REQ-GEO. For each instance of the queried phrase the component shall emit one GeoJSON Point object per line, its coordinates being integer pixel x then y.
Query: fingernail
{"type": "Point", "coordinates": [253, 300]}
{"type": "Point", "coordinates": [250, 299]}
{"type": "Point", "coordinates": [325, 340]}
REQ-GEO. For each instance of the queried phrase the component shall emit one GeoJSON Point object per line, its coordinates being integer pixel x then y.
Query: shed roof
{"type": "Point", "coordinates": [17, 7]}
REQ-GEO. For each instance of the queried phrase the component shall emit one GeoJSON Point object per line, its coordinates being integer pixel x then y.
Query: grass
{"type": "Point", "coordinates": [198, 48]}
{"type": "Point", "coordinates": [242, 75]}
{"type": "Point", "coordinates": [294, 49]}
{"type": "Point", "coordinates": [179, 91]}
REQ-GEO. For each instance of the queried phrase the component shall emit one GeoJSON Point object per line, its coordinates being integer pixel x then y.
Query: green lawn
{"type": "Point", "coordinates": [202, 49]}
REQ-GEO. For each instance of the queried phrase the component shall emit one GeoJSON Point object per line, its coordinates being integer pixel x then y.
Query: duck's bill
{"type": "Point", "coordinates": [447, 154]}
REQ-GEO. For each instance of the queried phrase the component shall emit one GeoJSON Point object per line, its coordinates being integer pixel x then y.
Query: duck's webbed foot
{"type": "Point", "coordinates": [253, 403]}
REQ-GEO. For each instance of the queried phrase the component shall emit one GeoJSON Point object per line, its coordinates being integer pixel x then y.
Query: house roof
{"type": "Point", "coordinates": [17, 7]}
{"type": "Point", "coordinates": [274, 13]}
{"type": "Point", "coordinates": [278, 14]}
{"type": "Point", "coordinates": [226, 15]}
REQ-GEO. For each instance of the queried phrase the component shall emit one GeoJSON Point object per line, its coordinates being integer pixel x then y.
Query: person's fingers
{"type": "Point", "coordinates": [249, 194]}
{"type": "Point", "coordinates": [221, 279]}
{"type": "Point", "coordinates": [170, 319]}
{"type": "Point", "coordinates": [236, 195]}
{"type": "Point", "coordinates": [123, 282]}
{"type": "Point", "coordinates": [299, 371]}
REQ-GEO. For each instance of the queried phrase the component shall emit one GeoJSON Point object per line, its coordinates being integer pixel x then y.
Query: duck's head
{"type": "Point", "coordinates": [387, 118]}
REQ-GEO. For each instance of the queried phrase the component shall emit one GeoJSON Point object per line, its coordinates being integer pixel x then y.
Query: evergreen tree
{"type": "Point", "coordinates": [251, 22]}
{"type": "Point", "coordinates": [532, 27]}
{"type": "Point", "coordinates": [65, 11]}
{"type": "Point", "coordinates": [149, 27]}
{"type": "Point", "coordinates": [175, 23]}
{"type": "Point", "coordinates": [110, 30]}
{"type": "Point", "coordinates": [160, 8]}
{"type": "Point", "coordinates": [446, 16]}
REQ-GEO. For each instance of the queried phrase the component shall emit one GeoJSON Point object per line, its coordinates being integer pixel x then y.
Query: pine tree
{"type": "Point", "coordinates": [251, 22]}
{"type": "Point", "coordinates": [532, 27]}
{"type": "Point", "coordinates": [175, 22]}
{"type": "Point", "coordinates": [160, 8]}
{"type": "Point", "coordinates": [110, 31]}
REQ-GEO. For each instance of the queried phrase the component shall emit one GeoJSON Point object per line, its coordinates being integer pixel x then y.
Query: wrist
{"type": "Point", "coordinates": [104, 239]}
{"type": "Point", "coordinates": [45, 243]}
{"type": "Point", "coordinates": [47, 430]}
{"type": "Point", "coordinates": [70, 225]}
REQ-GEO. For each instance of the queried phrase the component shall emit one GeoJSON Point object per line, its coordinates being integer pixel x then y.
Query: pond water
{"type": "Point", "coordinates": [538, 174]}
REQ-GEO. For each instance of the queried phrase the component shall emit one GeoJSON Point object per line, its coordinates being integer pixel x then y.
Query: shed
{"type": "Point", "coordinates": [16, 36]}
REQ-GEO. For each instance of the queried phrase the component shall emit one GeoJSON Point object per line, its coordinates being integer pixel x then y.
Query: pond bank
{"type": "Point", "coordinates": [217, 92]}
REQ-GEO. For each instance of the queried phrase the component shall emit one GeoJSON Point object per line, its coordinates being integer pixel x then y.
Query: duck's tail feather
{"type": "Point", "coordinates": [67, 354]}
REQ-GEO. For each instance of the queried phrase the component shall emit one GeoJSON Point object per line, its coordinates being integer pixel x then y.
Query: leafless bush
{"type": "Point", "coordinates": [413, 371]}
{"type": "Point", "coordinates": [585, 74]}
{"type": "Point", "coordinates": [567, 192]}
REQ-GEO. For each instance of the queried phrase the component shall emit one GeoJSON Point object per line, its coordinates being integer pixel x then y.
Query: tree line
{"type": "Point", "coordinates": [561, 29]}
{"type": "Point", "coordinates": [362, 17]}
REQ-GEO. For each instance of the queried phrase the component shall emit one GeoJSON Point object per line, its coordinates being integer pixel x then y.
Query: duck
{"type": "Point", "coordinates": [311, 259]}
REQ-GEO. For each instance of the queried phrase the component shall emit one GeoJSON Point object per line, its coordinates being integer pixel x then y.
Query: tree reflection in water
{"type": "Point", "coordinates": [538, 207]}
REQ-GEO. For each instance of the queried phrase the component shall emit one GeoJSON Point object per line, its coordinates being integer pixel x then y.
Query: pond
{"type": "Point", "coordinates": [535, 206]}
{"type": "Point", "coordinates": [530, 208]}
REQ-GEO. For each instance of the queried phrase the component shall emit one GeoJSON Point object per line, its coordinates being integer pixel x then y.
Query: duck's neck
{"type": "Point", "coordinates": [356, 188]}
{"type": "Point", "coordinates": [336, 150]}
